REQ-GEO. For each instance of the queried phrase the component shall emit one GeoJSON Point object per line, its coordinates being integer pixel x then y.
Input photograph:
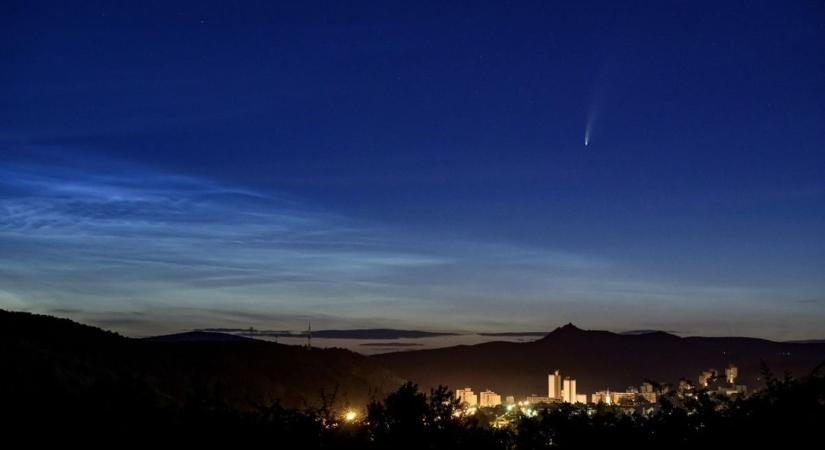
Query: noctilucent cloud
{"type": "Point", "coordinates": [175, 165]}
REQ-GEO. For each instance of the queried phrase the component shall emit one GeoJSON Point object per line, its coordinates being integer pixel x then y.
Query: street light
{"type": "Point", "coordinates": [350, 415]}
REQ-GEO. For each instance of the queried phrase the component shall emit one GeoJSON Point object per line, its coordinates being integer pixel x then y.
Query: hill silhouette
{"type": "Point", "coordinates": [78, 369]}
{"type": "Point", "coordinates": [598, 360]}
{"type": "Point", "coordinates": [362, 333]}
{"type": "Point", "coordinates": [198, 336]}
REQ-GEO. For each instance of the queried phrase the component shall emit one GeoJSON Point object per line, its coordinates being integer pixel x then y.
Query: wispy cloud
{"type": "Point", "coordinates": [139, 234]}
{"type": "Point", "coordinates": [142, 251]}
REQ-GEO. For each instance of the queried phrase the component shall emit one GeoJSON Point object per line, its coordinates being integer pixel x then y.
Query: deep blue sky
{"type": "Point", "coordinates": [415, 164]}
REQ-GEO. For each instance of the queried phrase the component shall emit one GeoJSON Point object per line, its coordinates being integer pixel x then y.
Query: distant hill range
{"type": "Point", "coordinates": [198, 336]}
{"type": "Point", "coordinates": [59, 365]}
{"type": "Point", "coordinates": [598, 360]}
{"type": "Point", "coordinates": [808, 341]}
{"type": "Point", "coordinates": [368, 333]}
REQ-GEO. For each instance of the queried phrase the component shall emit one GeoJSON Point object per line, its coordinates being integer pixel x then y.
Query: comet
{"type": "Point", "coordinates": [598, 97]}
{"type": "Point", "coordinates": [591, 120]}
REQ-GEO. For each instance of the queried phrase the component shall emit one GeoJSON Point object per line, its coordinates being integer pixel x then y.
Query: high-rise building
{"type": "Point", "coordinates": [467, 397]}
{"type": "Point", "coordinates": [488, 399]}
{"type": "Point", "coordinates": [731, 373]}
{"type": "Point", "coordinates": [581, 398]}
{"type": "Point", "coordinates": [569, 390]}
{"type": "Point", "coordinates": [554, 386]}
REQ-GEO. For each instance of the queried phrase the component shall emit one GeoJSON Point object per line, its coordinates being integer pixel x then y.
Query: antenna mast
{"type": "Point", "coordinates": [309, 335]}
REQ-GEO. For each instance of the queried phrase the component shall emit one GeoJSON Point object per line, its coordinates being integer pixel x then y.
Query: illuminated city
{"type": "Point", "coordinates": [560, 390]}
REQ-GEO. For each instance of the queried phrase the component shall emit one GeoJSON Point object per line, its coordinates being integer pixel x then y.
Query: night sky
{"type": "Point", "coordinates": [171, 165]}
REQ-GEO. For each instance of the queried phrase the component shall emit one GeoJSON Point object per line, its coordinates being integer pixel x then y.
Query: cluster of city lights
{"type": "Point", "coordinates": [469, 411]}
{"type": "Point", "coordinates": [524, 407]}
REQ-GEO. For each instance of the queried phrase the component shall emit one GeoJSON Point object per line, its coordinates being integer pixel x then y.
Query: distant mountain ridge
{"type": "Point", "coordinates": [198, 336]}
{"type": "Point", "coordinates": [361, 333]}
{"type": "Point", "coordinates": [632, 332]}
{"type": "Point", "coordinates": [514, 333]}
{"type": "Point", "coordinates": [598, 360]}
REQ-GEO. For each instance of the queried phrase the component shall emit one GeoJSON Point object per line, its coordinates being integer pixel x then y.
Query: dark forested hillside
{"type": "Point", "coordinates": [58, 368]}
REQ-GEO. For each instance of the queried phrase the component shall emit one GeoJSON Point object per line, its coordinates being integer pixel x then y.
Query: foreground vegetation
{"type": "Point", "coordinates": [787, 412]}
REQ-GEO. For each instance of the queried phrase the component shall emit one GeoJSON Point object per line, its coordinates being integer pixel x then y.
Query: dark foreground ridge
{"type": "Point", "coordinates": [67, 365]}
